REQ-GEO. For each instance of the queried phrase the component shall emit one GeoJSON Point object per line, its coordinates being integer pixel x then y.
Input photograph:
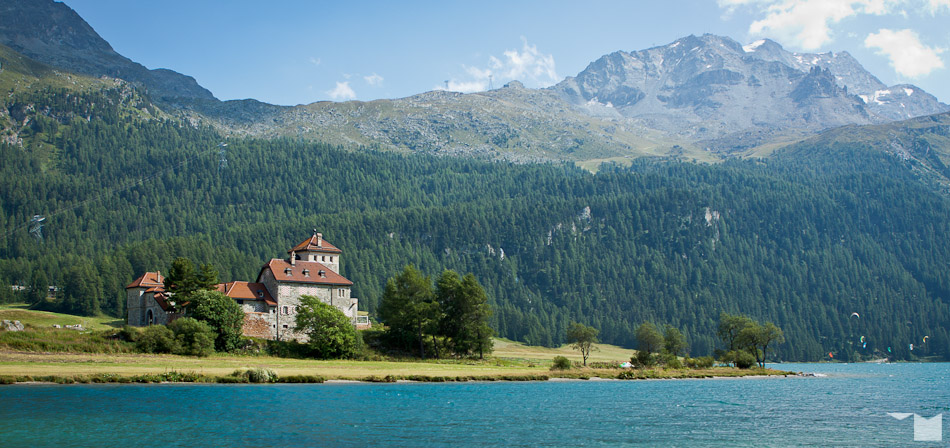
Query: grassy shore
{"type": "Point", "coordinates": [60, 355]}
{"type": "Point", "coordinates": [528, 363]}
{"type": "Point", "coordinates": [25, 366]}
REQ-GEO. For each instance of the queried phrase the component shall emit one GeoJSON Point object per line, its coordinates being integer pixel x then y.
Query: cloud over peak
{"type": "Point", "coordinates": [907, 54]}
{"type": "Point", "coordinates": [533, 68]}
{"type": "Point", "coordinates": [342, 92]}
{"type": "Point", "coordinates": [807, 23]}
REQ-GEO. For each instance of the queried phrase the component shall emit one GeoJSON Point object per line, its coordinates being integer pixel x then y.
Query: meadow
{"type": "Point", "coordinates": [48, 354]}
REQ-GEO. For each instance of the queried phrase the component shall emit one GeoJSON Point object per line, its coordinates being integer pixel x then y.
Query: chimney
{"type": "Point", "coordinates": [319, 240]}
{"type": "Point", "coordinates": [293, 258]}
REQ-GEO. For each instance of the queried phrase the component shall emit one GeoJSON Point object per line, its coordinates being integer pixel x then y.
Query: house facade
{"type": "Point", "coordinates": [147, 303]}
{"type": "Point", "coordinates": [271, 303]}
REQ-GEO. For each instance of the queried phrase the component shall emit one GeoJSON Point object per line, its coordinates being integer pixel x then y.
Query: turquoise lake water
{"type": "Point", "coordinates": [848, 407]}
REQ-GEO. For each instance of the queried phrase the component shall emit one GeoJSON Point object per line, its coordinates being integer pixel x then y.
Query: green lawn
{"type": "Point", "coordinates": [507, 349]}
{"type": "Point", "coordinates": [45, 352]}
{"type": "Point", "coordinates": [20, 312]}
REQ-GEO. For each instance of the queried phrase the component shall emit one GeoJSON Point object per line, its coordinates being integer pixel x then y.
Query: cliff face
{"type": "Point", "coordinates": [52, 33]}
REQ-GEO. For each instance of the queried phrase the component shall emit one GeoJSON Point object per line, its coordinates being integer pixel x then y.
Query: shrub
{"type": "Point", "coordinates": [222, 314]}
{"type": "Point", "coordinates": [287, 349]}
{"type": "Point", "coordinates": [671, 361]}
{"type": "Point", "coordinates": [128, 333]}
{"type": "Point", "coordinates": [642, 359]}
{"type": "Point", "coordinates": [330, 332]}
{"type": "Point", "coordinates": [739, 358]}
{"type": "Point", "coordinates": [255, 375]}
{"type": "Point", "coordinates": [301, 379]}
{"type": "Point", "coordinates": [703, 362]}
{"type": "Point", "coordinates": [561, 363]}
{"type": "Point", "coordinates": [192, 338]}
{"type": "Point", "coordinates": [156, 339]}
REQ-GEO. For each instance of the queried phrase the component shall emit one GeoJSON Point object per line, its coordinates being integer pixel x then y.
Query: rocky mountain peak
{"type": "Point", "coordinates": [819, 83]}
{"type": "Point", "coordinates": [711, 87]}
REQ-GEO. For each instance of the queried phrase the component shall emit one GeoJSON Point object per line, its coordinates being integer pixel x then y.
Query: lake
{"type": "Point", "coordinates": [848, 407]}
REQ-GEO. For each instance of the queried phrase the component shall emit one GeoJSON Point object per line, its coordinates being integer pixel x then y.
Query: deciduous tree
{"type": "Point", "coordinates": [582, 338]}
{"type": "Point", "coordinates": [330, 332]}
{"type": "Point", "coordinates": [649, 338]}
{"type": "Point", "coordinates": [222, 313]}
{"type": "Point", "coordinates": [674, 342]}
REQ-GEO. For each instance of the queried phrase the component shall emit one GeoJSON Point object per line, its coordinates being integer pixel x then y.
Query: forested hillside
{"type": "Point", "coordinates": [803, 243]}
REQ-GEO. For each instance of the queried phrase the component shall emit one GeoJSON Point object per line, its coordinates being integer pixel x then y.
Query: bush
{"type": "Point", "coordinates": [128, 333]}
{"type": "Point", "coordinates": [671, 361]}
{"type": "Point", "coordinates": [703, 362]}
{"type": "Point", "coordinates": [255, 375]}
{"type": "Point", "coordinates": [301, 379]}
{"type": "Point", "coordinates": [739, 358]}
{"type": "Point", "coordinates": [331, 334]}
{"type": "Point", "coordinates": [193, 338]}
{"type": "Point", "coordinates": [222, 314]}
{"type": "Point", "coordinates": [561, 363]}
{"type": "Point", "coordinates": [287, 349]}
{"type": "Point", "coordinates": [642, 359]}
{"type": "Point", "coordinates": [156, 339]}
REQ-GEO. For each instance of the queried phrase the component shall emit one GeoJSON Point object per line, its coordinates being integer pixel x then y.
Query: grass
{"type": "Point", "coordinates": [76, 365]}
{"type": "Point", "coordinates": [507, 349]}
{"type": "Point", "coordinates": [39, 319]}
{"type": "Point", "coordinates": [59, 355]}
{"type": "Point", "coordinates": [62, 355]}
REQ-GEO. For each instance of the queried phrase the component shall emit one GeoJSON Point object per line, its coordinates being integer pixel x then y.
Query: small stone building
{"type": "Point", "coordinates": [147, 302]}
{"type": "Point", "coordinates": [270, 304]}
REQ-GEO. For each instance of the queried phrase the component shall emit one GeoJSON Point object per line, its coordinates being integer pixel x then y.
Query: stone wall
{"type": "Point", "coordinates": [135, 306]}
{"type": "Point", "coordinates": [257, 325]}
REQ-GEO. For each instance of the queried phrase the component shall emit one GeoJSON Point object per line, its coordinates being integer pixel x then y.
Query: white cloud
{"type": "Point", "coordinates": [808, 23]}
{"type": "Point", "coordinates": [936, 5]}
{"type": "Point", "coordinates": [374, 80]}
{"type": "Point", "coordinates": [908, 55]}
{"type": "Point", "coordinates": [316, 61]}
{"type": "Point", "coordinates": [464, 86]}
{"type": "Point", "coordinates": [343, 91]}
{"type": "Point", "coordinates": [527, 65]}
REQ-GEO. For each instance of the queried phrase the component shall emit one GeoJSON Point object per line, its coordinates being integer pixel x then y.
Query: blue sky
{"type": "Point", "coordinates": [298, 52]}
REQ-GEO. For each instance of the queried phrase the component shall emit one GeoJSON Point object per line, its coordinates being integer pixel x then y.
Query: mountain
{"type": "Point", "coordinates": [510, 123]}
{"type": "Point", "coordinates": [693, 98]}
{"type": "Point", "coordinates": [714, 90]}
{"type": "Point", "coordinates": [52, 33]}
{"type": "Point", "coordinates": [922, 143]}
{"type": "Point", "coordinates": [700, 98]}
{"type": "Point", "coordinates": [850, 219]}
{"type": "Point", "coordinates": [826, 227]}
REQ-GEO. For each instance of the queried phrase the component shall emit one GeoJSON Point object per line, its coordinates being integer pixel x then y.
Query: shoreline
{"type": "Point", "coordinates": [174, 377]}
{"type": "Point", "coordinates": [18, 367]}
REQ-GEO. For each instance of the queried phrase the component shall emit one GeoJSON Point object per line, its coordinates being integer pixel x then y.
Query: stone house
{"type": "Point", "coordinates": [270, 304]}
{"type": "Point", "coordinates": [147, 302]}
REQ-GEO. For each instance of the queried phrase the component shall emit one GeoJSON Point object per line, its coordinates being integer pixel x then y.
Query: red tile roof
{"type": "Point", "coordinates": [296, 273]}
{"type": "Point", "coordinates": [163, 301]}
{"type": "Point", "coordinates": [148, 279]}
{"type": "Point", "coordinates": [310, 244]}
{"type": "Point", "coordinates": [246, 291]}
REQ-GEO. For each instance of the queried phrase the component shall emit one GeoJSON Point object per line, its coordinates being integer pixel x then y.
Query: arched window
{"type": "Point", "coordinates": [149, 318]}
